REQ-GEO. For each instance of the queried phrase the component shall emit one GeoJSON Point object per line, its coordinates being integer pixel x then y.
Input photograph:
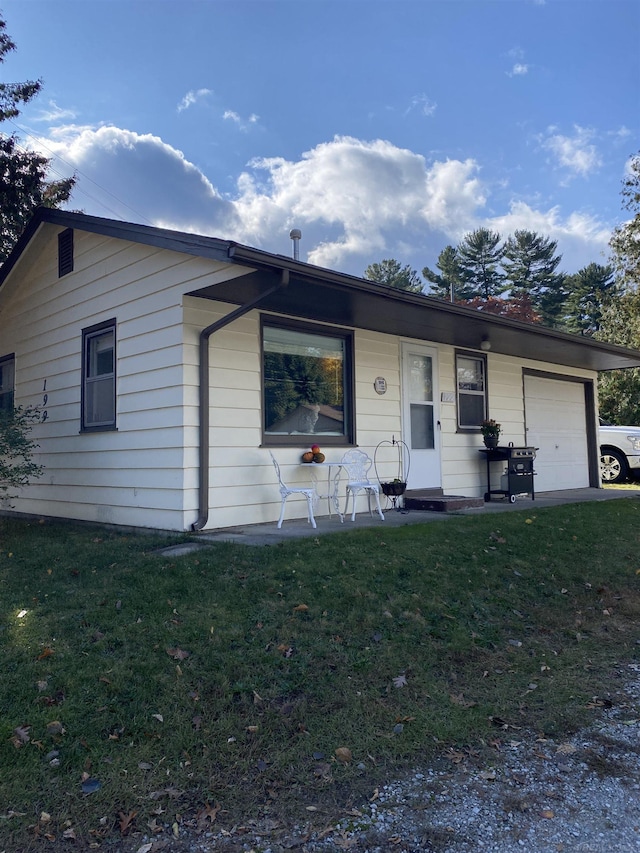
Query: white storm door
{"type": "Point", "coordinates": [420, 416]}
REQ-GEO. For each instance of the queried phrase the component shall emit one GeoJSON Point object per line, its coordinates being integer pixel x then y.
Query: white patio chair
{"type": "Point", "coordinates": [357, 464]}
{"type": "Point", "coordinates": [286, 491]}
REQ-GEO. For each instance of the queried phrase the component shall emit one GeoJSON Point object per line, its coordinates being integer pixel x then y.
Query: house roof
{"type": "Point", "coordinates": [324, 295]}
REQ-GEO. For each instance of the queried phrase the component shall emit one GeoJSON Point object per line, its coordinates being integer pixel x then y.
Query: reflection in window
{"type": "Point", "coordinates": [305, 381]}
{"type": "Point", "coordinates": [7, 379]}
{"type": "Point", "coordinates": [99, 399]}
{"type": "Point", "coordinates": [472, 390]}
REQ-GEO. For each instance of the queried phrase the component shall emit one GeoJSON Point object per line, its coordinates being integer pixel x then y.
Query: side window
{"type": "Point", "coordinates": [471, 384]}
{"type": "Point", "coordinates": [7, 382]}
{"type": "Point", "coordinates": [307, 384]}
{"type": "Point", "coordinates": [99, 377]}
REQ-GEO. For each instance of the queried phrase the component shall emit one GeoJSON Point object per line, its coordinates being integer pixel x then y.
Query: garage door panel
{"type": "Point", "coordinates": [556, 422]}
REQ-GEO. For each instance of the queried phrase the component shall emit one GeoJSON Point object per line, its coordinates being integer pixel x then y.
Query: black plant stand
{"type": "Point", "coordinates": [394, 489]}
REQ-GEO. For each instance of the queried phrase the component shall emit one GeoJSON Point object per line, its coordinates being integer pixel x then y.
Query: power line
{"type": "Point", "coordinates": [79, 172]}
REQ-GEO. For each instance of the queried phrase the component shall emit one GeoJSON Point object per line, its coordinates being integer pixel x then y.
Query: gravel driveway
{"type": "Point", "coordinates": [533, 794]}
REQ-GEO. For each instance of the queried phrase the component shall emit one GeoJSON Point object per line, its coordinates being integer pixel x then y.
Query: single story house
{"type": "Point", "coordinates": [166, 365]}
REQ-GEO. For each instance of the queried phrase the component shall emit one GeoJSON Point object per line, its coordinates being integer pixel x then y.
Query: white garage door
{"type": "Point", "coordinates": [556, 422]}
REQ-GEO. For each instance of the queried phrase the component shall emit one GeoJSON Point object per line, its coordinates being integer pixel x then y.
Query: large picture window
{"type": "Point", "coordinates": [99, 377]}
{"type": "Point", "coordinates": [307, 393]}
{"type": "Point", "coordinates": [7, 382]}
{"type": "Point", "coordinates": [471, 378]}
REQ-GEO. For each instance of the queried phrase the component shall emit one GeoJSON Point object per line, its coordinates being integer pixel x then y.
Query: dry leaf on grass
{"type": "Point", "coordinates": [343, 754]}
{"type": "Point", "coordinates": [178, 654]}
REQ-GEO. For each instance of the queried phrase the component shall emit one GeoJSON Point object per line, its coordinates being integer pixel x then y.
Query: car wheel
{"type": "Point", "coordinates": [613, 466]}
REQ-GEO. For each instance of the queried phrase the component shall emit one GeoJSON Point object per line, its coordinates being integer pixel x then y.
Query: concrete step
{"type": "Point", "coordinates": [432, 500]}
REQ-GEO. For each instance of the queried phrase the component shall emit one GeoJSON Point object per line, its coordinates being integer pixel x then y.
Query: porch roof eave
{"type": "Point", "coordinates": [325, 296]}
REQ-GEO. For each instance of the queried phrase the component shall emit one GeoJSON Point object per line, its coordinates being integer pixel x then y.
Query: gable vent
{"type": "Point", "coordinates": [65, 252]}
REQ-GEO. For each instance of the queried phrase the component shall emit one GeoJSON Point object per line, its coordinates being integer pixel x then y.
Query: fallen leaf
{"type": "Point", "coordinates": [22, 734]}
{"type": "Point", "coordinates": [488, 775]}
{"type": "Point", "coordinates": [400, 681]}
{"type": "Point", "coordinates": [69, 834]}
{"type": "Point", "coordinates": [178, 654]}
{"type": "Point", "coordinates": [125, 821]}
{"type": "Point", "coordinates": [343, 754]}
{"type": "Point", "coordinates": [146, 848]}
{"type": "Point", "coordinates": [547, 813]}
{"type": "Point", "coordinates": [566, 749]}
{"type": "Point", "coordinates": [55, 727]}
{"type": "Point", "coordinates": [209, 813]}
{"type": "Point", "coordinates": [47, 652]}
{"type": "Point", "coordinates": [158, 717]}
{"type": "Point", "coordinates": [301, 608]}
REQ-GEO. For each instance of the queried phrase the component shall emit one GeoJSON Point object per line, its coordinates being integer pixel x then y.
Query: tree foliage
{"type": "Point", "coordinates": [393, 274]}
{"type": "Point", "coordinates": [23, 174]}
{"type": "Point", "coordinates": [480, 255]}
{"type": "Point", "coordinates": [591, 291]}
{"type": "Point", "coordinates": [17, 467]}
{"type": "Point", "coordinates": [625, 241]}
{"type": "Point", "coordinates": [530, 263]}
{"type": "Point", "coordinates": [449, 282]}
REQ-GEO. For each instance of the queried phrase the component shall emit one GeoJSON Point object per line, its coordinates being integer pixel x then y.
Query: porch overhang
{"type": "Point", "coordinates": [323, 295]}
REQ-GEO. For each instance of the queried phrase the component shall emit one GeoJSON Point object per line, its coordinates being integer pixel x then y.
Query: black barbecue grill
{"type": "Point", "coordinates": [517, 478]}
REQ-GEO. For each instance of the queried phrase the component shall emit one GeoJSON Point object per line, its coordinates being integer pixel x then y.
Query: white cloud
{"type": "Point", "coordinates": [356, 201]}
{"type": "Point", "coordinates": [192, 97]}
{"type": "Point", "coordinates": [422, 104]}
{"type": "Point", "coordinates": [243, 124]}
{"type": "Point", "coordinates": [579, 235]}
{"type": "Point", "coordinates": [53, 114]}
{"type": "Point", "coordinates": [577, 154]}
{"type": "Point", "coordinates": [519, 70]}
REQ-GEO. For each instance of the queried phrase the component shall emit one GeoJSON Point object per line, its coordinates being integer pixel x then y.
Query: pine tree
{"type": "Point", "coordinates": [530, 264]}
{"type": "Point", "coordinates": [23, 174]}
{"type": "Point", "coordinates": [480, 254]}
{"type": "Point", "coordinates": [393, 274]}
{"type": "Point", "coordinates": [449, 283]}
{"type": "Point", "coordinates": [591, 290]}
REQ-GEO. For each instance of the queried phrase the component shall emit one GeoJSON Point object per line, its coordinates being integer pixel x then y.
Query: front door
{"type": "Point", "coordinates": [420, 415]}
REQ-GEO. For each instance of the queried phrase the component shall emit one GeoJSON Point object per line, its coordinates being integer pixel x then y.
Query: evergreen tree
{"type": "Point", "coordinates": [480, 254]}
{"type": "Point", "coordinates": [393, 274]}
{"type": "Point", "coordinates": [529, 265]}
{"type": "Point", "coordinates": [591, 289]}
{"type": "Point", "coordinates": [625, 242]}
{"type": "Point", "coordinates": [23, 174]}
{"type": "Point", "coordinates": [449, 282]}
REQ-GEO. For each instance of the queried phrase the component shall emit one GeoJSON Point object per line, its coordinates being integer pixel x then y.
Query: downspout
{"type": "Point", "coordinates": [203, 397]}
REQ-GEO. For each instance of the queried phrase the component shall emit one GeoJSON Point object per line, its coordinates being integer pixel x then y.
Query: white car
{"type": "Point", "coordinates": [619, 452]}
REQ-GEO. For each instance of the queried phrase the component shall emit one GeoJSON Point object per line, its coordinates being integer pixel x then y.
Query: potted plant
{"type": "Point", "coordinates": [490, 432]}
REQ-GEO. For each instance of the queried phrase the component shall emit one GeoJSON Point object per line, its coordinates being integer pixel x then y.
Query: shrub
{"type": "Point", "coordinates": [17, 467]}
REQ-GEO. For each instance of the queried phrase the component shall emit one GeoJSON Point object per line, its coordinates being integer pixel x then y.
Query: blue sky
{"type": "Point", "coordinates": [380, 128]}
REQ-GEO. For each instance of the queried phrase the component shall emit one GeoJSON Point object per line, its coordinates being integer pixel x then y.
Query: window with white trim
{"type": "Point", "coordinates": [99, 377]}
{"type": "Point", "coordinates": [471, 384]}
{"type": "Point", "coordinates": [7, 382]}
{"type": "Point", "coordinates": [307, 384]}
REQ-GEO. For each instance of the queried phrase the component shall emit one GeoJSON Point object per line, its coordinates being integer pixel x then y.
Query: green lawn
{"type": "Point", "coordinates": [139, 692]}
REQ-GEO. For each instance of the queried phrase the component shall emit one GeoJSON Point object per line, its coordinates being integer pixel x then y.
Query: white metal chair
{"type": "Point", "coordinates": [357, 464]}
{"type": "Point", "coordinates": [285, 491]}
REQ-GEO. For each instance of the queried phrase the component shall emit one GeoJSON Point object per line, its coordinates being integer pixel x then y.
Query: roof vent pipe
{"type": "Point", "coordinates": [295, 235]}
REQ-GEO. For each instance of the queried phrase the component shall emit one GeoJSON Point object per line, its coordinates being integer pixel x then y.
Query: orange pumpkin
{"type": "Point", "coordinates": [307, 457]}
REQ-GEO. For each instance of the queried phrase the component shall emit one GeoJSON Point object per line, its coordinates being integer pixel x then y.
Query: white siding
{"type": "Point", "coordinates": [135, 475]}
{"type": "Point", "coordinates": [146, 472]}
